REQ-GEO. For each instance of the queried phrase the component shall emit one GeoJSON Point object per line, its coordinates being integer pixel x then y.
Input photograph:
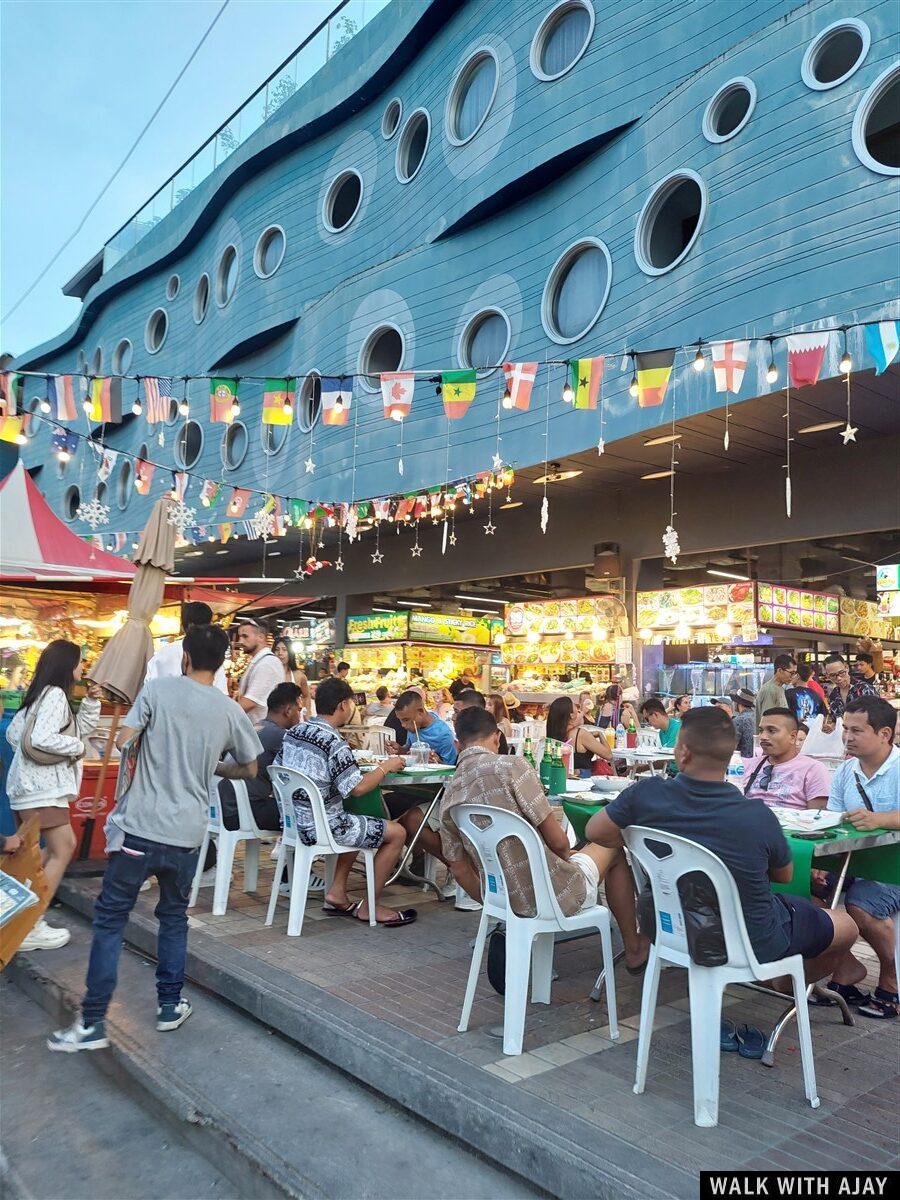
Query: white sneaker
{"type": "Point", "coordinates": [465, 903]}
{"type": "Point", "coordinates": [45, 937]}
{"type": "Point", "coordinates": [448, 891]}
{"type": "Point", "coordinates": [77, 1037]}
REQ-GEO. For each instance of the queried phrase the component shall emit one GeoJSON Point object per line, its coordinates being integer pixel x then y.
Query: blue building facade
{"type": "Point", "coordinates": [467, 183]}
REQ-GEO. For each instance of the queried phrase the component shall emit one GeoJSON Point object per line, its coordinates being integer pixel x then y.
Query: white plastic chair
{"type": "Point", "coordinates": [377, 737]}
{"type": "Point", "coordinates": [516, 740]}
{"type": "Point", "coordinates": [286, 781]}
{"type": "Point", "coordinates": [665, 858]}
{"type": "Point", "coordinates": [529, 940]}
{"type": "Point", "coordinates": [227, 841]}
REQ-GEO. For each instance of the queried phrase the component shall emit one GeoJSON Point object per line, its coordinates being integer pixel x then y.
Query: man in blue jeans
{"type": "Point", "coordinates": [186, 727]}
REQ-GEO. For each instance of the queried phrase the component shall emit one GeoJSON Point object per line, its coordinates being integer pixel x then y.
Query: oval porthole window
{"type": "Point", "coordinates": [342, 200]}
{"type": "Point", "coordinates": [201, 298]}
{"type": "Point", "coordinates": [124, 484]}
{"type": "Point", "coordinates": [382, 351]}
{"type": "Point", "coordinates": [309, 405]}
{"type": "Point", "coordinates": [729, 110]}
{"type": "Point", "coordinates": [876, 125]}
{"type": "Point", "coordinates": [71, 502]}
{"type": "Point", "coordinates": [269, 251]}
{"type": "Point", "coordinates": [234, 445]}
{"type": "Point", "coordinates": [562, 38]}
{"type": "Point", "coordinates": [485, 340]}
{"type": "Point", "coordinates": [226, 276]}
{"type": "Point", "coordinates": [412, 145]}
{"type": "Point", "coordinates": [172, 287]}
{"type": "Point", "coordinates": [390, 119]}
{"type": "Point", "coordinates": [157, 328]}
{"type": "Point", "coordinates": [97, 361]}
{"type": "Point", "coordinates": [188, 444]}
{"type": "Point", "coordinates": [670, 222]}
{"type": "Point", "coordinates": [835, 54]}
{"type": "Point", "coordinates": [172, 413]}
{"type": "Point", "coordinates": [576, 291]}
{"type": "Point", "coordinates": [31, 427]}
{"type": "Point", "coordinates": [273, 437]}
{"type": "Point", "coordinates": [100, 492]}
{"type": "Point", "coordinates": [472, 96]}
{"type": "Point", "coordinates": [121, 359]}
{"type": "Point", "coordinates": [82, 363]}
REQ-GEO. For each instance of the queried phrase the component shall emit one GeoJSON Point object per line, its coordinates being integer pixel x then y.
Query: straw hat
{"type": "Point", "coordinates": [510, 700]}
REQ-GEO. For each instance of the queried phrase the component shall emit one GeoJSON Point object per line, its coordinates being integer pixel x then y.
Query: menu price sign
{"type": "Point", "coordinates": [450, 628]}
{"type": "Point", "coordinates": [551, 618]}
{"type": "Point", "coordinates": [377, 627]}
{"type": "Point", "coordinates": [797, 608]}
{"type": "Point", "coordinates": [861, 618]}
{"type": "Point", "coordinates": [699, 607]}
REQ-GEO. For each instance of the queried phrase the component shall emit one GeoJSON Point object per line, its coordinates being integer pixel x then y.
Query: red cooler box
{"type": "Point", "coordinates": [83, 806]}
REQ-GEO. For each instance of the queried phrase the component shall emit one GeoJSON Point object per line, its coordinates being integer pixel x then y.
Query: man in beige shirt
{"type": "Point", "coordinates": [771, 694]}
{"type": "Point", "coordinates": [508, 782]}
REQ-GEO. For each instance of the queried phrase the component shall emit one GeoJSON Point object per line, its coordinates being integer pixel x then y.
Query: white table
{"type": "Point", "coordinates": [655, 760]}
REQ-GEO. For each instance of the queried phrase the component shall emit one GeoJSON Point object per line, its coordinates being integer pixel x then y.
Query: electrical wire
{"type": "Point", "coordinates": [119, 168]}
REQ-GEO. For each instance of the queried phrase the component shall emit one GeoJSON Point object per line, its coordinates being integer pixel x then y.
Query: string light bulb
{"type": "Point", "coordinates": [507, 400]}
{"type": "Point", "coordinates": [287, 407]}
{"type": "Point", "coordinates": [137, 408]}
{"type": "Point", "coordinates": [633, 388]}
{"type": "Point", "coordinates": [45, 405]}
{"type": "Point", "coordinates": [338, 404]}
{"type": "Point", "coordinates": [88, 405]}
{"type": "Point", "coordinates": [699, 360]}
{"type": "Point", "coordinates": [396, 414]}
{"type": "Point", "coordinates": [846, 364]}
{"type": "Point", "coordinates": [183, 407]}
{"type": "Point", "coordinates": [235, 407]}
{"type": "Point", "coordinates": [568, 394]}
{"type": "Point", "coordinates": [21, 439]}
{"type": "Point", "coordinates": [772, 370]}
{"type": "Point", "coordinates": [63, 456]}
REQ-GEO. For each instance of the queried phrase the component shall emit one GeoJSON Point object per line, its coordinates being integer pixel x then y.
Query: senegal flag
{"type": "Point", "coordinates": [653, 371]}
{"type": "Point", "coordinates": [222, 395]}
{"type": "Point", "coordinates": [278, 402]}
{"type": "Point", "coordinates": [458, 392]}
{"type": "Point", "coordinates": [585, 376]}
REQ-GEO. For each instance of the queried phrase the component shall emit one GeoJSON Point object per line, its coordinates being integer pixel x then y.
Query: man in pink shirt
{"type": "Point", "coordinates": [781, 775]}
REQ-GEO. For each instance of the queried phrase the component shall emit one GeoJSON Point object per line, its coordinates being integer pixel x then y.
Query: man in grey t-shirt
{"type": "Point", "coordinates": [186, 728]}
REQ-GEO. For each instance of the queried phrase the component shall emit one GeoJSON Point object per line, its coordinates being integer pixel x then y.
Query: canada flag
{"type": "Point", "coordinates": [397, 393]}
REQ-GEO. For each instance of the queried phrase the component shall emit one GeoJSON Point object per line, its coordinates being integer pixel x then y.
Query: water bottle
{"type": "Point", "coordinates": [735, 772]}
{"type": "Point", "coordinates": [620, 736]}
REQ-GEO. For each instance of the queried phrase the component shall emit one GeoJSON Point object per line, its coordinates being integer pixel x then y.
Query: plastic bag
{"type": "Point", "coordinates": [702, 920]}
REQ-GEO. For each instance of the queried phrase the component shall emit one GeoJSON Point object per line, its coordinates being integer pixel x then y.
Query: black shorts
{"type": "Point", "coordinates": [400, 801]}
{"type": "Point", "coordinates": [810, 927]}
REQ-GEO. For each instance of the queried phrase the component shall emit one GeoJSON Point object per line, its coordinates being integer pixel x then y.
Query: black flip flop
{"type": "Point", "coordinates": [404, 916]}
{"type": "Point", "coordinates": [334, 910]}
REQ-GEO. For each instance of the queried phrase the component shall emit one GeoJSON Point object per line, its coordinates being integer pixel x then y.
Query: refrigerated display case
{"type": "Point", "coordinates": [711, 679]}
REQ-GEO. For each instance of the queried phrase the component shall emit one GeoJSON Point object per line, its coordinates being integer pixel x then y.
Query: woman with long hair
{"type": "Point", "coordinates": [608, 713]}
{"type": "Point", "coordinates": [565, 723]}
{"type": "Point", "coordinates": [681, 705]}
{"type": "Point", "coordinates": [284, 651]}
{"type": "Point", "coordinates": [497, 709]}
{"type": "Point", "coordinates": [46, 789]}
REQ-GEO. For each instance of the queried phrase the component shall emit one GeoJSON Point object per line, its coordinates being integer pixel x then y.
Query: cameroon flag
{"type": "Point", "coordinates": [653, 371]}
{"type": "Point", "coordinates": [458, 392]}
{"type": "Point", "coordinates": [585, 376]}
{"type": "Point", "coordinates": [222, 395]}
{"type": "Point", "coordinates": [278, 402]}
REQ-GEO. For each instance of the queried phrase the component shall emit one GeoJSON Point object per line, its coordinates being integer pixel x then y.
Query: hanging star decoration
{"type": "Point", "coordinates": [490, 528]}
{"type": "Point", "coordinates": [849, 432]}
{"type": "Point", "coordinates": [93, 513]}
{"type": "Point", "coordinates": [311, 565]}
{"type": "Point", "coordinates": [497, 463]}
{"type": "Point", "coordinates": [309, 465]}
{"type": "Point", "coordinates": [545, 514]}
{"type": "Point", "coordinates": [671, 545]}
{"type": "Point", "coordinates": [263, 521]}
{"type": "Point", "coordinates": [352, 522]}
{"type": "Point", "coordinates": [339, 564]}
{"type": "Point", "coordinates": [452, 539]}
{"type": "Point", "coordinates": [181, 515]}
{"type": "Point", "coordinates": [377, 557]}
{"type": "Point", "coordinates": [417, 551]}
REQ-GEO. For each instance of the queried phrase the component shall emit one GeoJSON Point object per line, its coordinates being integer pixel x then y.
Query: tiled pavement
{"type": "Point", "coordinates": [414, 978]}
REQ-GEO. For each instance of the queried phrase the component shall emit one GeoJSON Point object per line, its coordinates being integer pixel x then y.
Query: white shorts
{"type": "Point", "coordinates": [591, 873]}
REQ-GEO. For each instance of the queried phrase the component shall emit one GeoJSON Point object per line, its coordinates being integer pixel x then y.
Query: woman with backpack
{"type": "Point", "coordinates": [45, 774]}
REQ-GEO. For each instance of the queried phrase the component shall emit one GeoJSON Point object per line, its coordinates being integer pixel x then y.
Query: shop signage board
{"type": "Point", "coordinates": [861, 618]}
{"type": "Point", "coordinates": [797, 608]}
{"type": "Point", "coordinates": [550, 618]}
{"type": "Point", "coordinates": [378, 627]}
{"type": "Point", "coordinates": [322, 632]}
{"type": "Point", "coordinates": [453, 629]}
{"type": "Point", "coordinates": [887, 577]}
{"type": "Point", "coordinates": [699, 608]}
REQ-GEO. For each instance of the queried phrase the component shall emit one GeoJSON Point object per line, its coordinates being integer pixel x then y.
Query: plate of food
{"type": "Point", "coordinates": [806, 820]}
{"type": "Point", "coordinates": [610, 784]}
{"type": "Point", "coordinates": [425, 768]}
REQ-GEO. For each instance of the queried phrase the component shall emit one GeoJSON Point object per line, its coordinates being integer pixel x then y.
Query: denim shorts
{"type": "Point", "coordinates": [879, 900]}
{"type": "Point", "coordinates": [809, 927]}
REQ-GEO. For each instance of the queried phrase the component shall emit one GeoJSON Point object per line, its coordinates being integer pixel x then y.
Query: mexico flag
{"type": "Point", "coordinates": [222, 395]}
{"type": "Point", "coordinates": [278, 402]}
{"type": "Point", "coordinates": [806, 353]}
{"type": "Point", "coordinates": [653, 371]}
{"type": "Point", "coordinates": [585, 377]}
{"type": "Point", "coordinates": [457, 392]}
{"type": "Point", "coordinates": [397, 393]}
{"type": "Point", "coordinates": [337, 397]}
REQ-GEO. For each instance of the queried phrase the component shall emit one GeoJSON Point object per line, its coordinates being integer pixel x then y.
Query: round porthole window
{"type": "Point", "coordinates": [269, 251]}
{"type": "Point", "coordinates": [471, 97]}
{"type": "Point", "coordinates": [201, 298]}
{"type": "Point", "coordinates": [71, 502]}
{"type": "Point", "coordinates": [876, 125]}
{"type": "Point", "coordinates": [124, 484]}
{"type": "Point", "coordinates": [100, 492]}
{"type": "Point", "coordinates": [121, 359]}
{"type": "Point", "coordinates": [226, 276]}
{"type": "Point", "coordinates": [576, 291]}
{"type": "Point", "coordinates": [172, 413]}
{"type": "Point", "coordinates": [670, 222]}
{"type": "Point", "coordinates": [390, 119]}
{"type": "Point", "coordinates": [188, 444]}
{"type": "Point", "coordinates": [835, 54]}
{"type": "Point", "coordinates": [412, 145]}
{"type": "Point", "coordinates": [342, 201]}
{"type": "Point", "coordinates": [97, 361]}
{"type": "Point", "coordinates": [562, 38]}
{"type": "Point", "coordinates": [31, 426]}
{"type": "Point", "coordinates": [273, 437]}
{"type": "Point", "coordinates": [309, 404]}
{"type": "Point", "coordinates": [156, 330]}
{"type": "Point", "coordinates": [729, 110]}
{"type": "Point", "coordinates": [381, 351]}
{"type": "Point", "coordinates": [485, 340]}
{"type": "Point", "coordinates": [82, 363]}
{"type": "Point", "coordinates": [172, 287]}
{"type": "Point", "coordinates": [234, 445]}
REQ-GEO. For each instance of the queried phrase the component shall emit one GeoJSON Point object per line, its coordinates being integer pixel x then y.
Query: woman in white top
{"type": "Point", "coordinates": [47, 789]}
{"type": "Point", "coordinates": [283, 650]}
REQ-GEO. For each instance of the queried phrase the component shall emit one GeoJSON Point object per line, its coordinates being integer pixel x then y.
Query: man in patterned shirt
{"type": "Point", "coordinates": [317, 749]}
{"type": "Point", "coordinates": [843, 689]}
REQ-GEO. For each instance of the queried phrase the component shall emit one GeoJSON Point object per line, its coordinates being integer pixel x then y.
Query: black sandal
{"type": "Point", "coordinates": [850, 992]}
{"type": "Point", "coordinates": [883, 1006]}
{"type": "Point", "coordinates": [337, 910]}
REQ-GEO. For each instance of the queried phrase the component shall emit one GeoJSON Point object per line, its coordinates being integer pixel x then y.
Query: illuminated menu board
{"type": "Point", "coordinates": [797, 608]}
{"type": "Point", "coordinates": [377, 627]}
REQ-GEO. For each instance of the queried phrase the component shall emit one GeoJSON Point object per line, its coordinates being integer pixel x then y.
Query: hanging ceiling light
{"type": "Point", "coordinates": [568, 394]}
{"type": "Point", "coordinates": [45, 405]}
{"type": "Point", "coordinates": [183, 407]}
{"type": "Point", "coordinates": [771, 370]}
{"type": "Point", "coordinates": [699, 360]}
{"type": "Point", "coordinates": [846, 364]}
{"type": "Point", "coordinates": [507, 400]}
{"type": "Point", "coordinates": [235, 407]}
{"type": "Point", "coordinates": [633, 388]}
{"type": "Point", "coordinates": [137, 408]}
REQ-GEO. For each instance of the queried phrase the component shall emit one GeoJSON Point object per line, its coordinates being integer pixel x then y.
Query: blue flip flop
{"type": "Point", "coordinates": [728, 1040]}
{"type": "Point", "coordinates": [751, 1042]}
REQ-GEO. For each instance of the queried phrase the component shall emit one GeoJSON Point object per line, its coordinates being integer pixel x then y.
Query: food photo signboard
{"type": "Point", "coordinates": [861, 618]}
{"type": "Point", "coordinates": [717, 604]}
{"type": "Point", "coordinates": [559, 618]}
{"type": "Point", "coordinates": [797, 608]}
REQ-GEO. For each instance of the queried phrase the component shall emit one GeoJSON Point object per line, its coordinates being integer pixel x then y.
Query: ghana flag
{"type": "Point", "coordinates": [585, 377]}
{"type": "Point", "coordinates": [278, 402]}
{"type": "Point", "coordinates": [458, 392]}
{"type": "Point", "coordinates": [653, 371]}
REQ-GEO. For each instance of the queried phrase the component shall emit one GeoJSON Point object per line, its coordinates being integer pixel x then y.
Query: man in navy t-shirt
{"type": "Point", "coordinates": [745, 834]}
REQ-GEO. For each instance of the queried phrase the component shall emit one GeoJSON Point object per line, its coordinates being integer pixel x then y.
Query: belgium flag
{"type": "Point", "coordinates": [653, 371]}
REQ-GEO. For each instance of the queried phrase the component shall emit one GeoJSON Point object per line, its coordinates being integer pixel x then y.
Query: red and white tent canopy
{"type": "Point", "coordinates": [35, 545]}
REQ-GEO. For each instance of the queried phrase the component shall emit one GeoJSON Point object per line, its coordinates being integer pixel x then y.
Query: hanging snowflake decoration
{"type": "Point", "coordinates": [93, 513]}
{"type": "Point", "coordinates": [352, 522]}
{"type": "Point", "coordinates": [180, 515]}
{"type": "Point", "coordinates": [545, 514]}
{"type": "Point", "coordinates": [264, 523]}
{"type": "Point", "coordinates": [671, 545]}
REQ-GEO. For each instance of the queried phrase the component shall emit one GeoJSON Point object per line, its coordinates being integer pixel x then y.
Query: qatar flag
{"type": "Point", "coordinates": [806, 353]}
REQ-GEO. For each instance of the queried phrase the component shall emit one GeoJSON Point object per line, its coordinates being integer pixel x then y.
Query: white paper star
{"type": "Point", "coordinates": [490, 528]}
{"type": "Point", "coordinates": [452, 539]}
{"type": "Point", "coordinates": [300, 573]}
{"type": "Point", "coordinates": [377, 557]}
{"type": "Point", "coordinates": [497, 462]}
{"type": "Point", "coordinates": [310, 466]}
{"type": "Point", "coordinates": [601, 446]}
{"type": "Point", "coordinates": [417, 551]}
{"type": "Point", "coordinates": [93, 513]}
{"type": "Point", "coordinates": [339, 564]}
{"type": "Point", "coordinates": [180, 515]}
{"type": "Point", "coordinates": [849, 433]}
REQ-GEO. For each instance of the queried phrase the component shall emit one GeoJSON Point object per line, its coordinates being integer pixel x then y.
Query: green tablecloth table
{"type": "Point", "coordinates": [580, 812]}
{"type": "Point", "coordinates": [875, 854]}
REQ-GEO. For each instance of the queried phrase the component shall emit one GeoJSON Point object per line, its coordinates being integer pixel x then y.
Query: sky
{"type": "Point", "coordinates": [79, 80]}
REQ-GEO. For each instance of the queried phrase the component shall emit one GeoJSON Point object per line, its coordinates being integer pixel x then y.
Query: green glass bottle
{"type": "Point", "coordinates": [546, 764]}
{"type": "Point", "coordinates": [557, 772]}
{"type": "Point", "coordinates": [529, 753]}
